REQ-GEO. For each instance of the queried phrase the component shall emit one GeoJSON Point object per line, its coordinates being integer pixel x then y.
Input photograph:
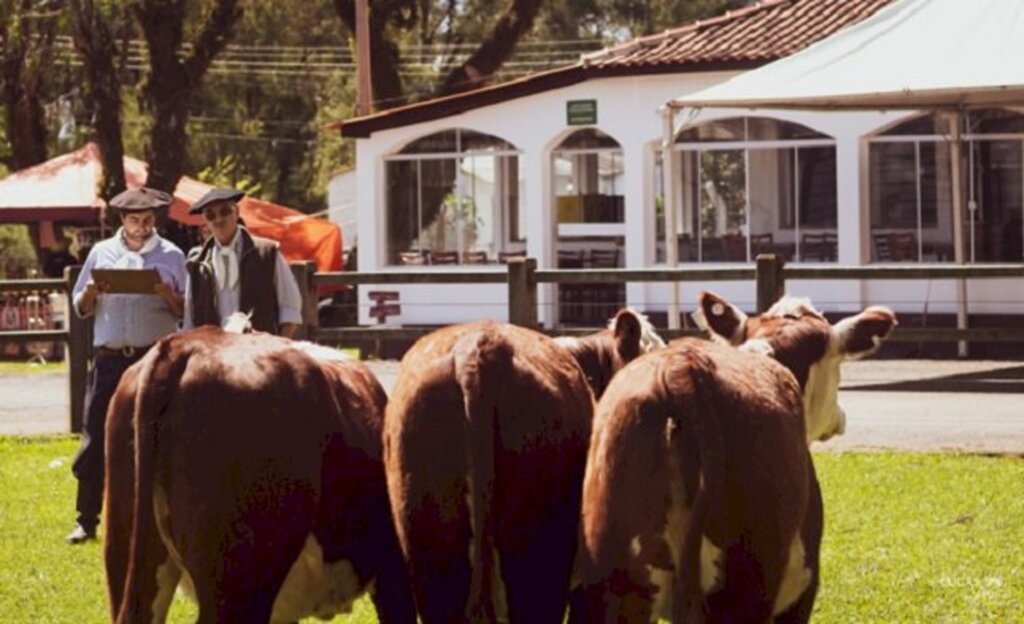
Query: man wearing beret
{"type": "Point", "coordinates": [238, 272]}
{"type": "Point", "coordinates": [124, 327]}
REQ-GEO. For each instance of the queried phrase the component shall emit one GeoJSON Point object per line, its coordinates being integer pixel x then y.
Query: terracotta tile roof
{"type": "Point", "coordinates": [765, 31]}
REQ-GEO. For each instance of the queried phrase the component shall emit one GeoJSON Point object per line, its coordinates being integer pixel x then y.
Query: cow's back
{"type": "Point", "coordinates": [690, 414]}
{"type": "Point", "coordinates": [505, 410]}
{"type": "Point", "coordinates": [246, 448]}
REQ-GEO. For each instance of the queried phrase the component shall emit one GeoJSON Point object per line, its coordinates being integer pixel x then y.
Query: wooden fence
{"type": "Point", "coordinates": [769, 273]}
{"type": "Point", "coordinates": [523, 278]}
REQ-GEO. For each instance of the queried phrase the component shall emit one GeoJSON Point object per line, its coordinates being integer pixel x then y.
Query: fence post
{"type": "Point", "coordinates": [771, 285]}
{"type": "Point", "coordinates": [303, 272]}
{"type": "Point", "coordinates": [522, 292]}
{"type": "Point", "coordinates": [78, 347]}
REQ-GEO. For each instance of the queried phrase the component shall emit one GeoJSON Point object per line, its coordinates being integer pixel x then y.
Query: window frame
{"type": "Point", "coordinates": [501, 209]}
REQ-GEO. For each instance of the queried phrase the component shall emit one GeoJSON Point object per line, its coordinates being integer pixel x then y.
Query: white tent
{"type": "Point", "coordinates": [914, 54]}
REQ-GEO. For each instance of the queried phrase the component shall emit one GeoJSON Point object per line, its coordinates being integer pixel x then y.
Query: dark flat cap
{"type": "Point", "coordinates": [139, 199]}
{"type": "Point", "coordinates": [216, 195]}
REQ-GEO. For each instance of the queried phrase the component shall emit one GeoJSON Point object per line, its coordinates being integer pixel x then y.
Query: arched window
{"type": "Point", "coordinates": [755, 185]}
{"type": "Point", "coordinates": [452, 197]}
{"type": "Point", "coordinates": [911, 191]}
{"type": "Point", "coordinates": [587, 178]}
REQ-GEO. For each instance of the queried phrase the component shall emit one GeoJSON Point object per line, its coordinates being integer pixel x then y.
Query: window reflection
{"type": "Point", "coordinates": [452, 197]}
{"type": "Point", "coordinates": [755, 185]}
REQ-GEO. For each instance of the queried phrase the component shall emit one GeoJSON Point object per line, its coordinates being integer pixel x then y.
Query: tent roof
{"type": "Point", "coordinates": [60, 189]}
{"type": "Point", "coordinates": [911, 54]}
{"type": "Point", "coordinates": [64, 189]}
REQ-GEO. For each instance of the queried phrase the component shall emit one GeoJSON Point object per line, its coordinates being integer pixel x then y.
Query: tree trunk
{"type": "Point", "coordinates": [26, 51]}
{"type": "Point", "coordinates": [93, 40]}
{"type": "Point", "coordinates": [173, 81]}
{"type": "Point", "coordinates": [388, 91]}
{"type": "Point", "coordinates": [495, 49]}
{"type": "Point", "coordinates": [26, 120]}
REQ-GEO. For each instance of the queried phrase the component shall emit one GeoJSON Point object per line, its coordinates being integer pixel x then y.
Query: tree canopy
{"type": "Point", "coordinates": [246, 88]}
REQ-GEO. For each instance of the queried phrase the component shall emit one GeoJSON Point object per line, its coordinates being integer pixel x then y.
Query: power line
{"type": "Point", "coordinates": [235, 48]}
{"type": "Point", "coordinates": [531, 56]}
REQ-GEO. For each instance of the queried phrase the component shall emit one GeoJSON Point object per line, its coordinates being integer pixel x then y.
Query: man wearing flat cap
{"type": "Point", "coordinates": [124, 327]}
{"type": "Point", "coordinates": [238, 272]}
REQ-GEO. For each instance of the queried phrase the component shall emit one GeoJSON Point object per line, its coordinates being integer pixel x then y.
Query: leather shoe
{"type": "Point", "coordinates": [80, 535]}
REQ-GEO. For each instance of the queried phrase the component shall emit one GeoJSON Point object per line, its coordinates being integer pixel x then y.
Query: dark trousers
{"type": "Point", "coordinates": [88, 465]}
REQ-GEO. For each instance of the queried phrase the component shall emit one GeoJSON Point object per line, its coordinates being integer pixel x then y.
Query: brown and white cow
{"type": "Point", "coordinates": [605, 352]}
{"type": "Point", "coordinates": [256, 480]}
{"type": "Point", "coordinates": [800, 337]}
{"type": "Point", "coordinates": [486, 437]}
{"type": "Point", "coordinates": [700, 497]}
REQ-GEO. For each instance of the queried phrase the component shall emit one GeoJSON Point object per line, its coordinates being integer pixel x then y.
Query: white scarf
{"type": "Point", "coordinates": [133, 259]}
{"type": "Point", "coordinates": [225, 265]}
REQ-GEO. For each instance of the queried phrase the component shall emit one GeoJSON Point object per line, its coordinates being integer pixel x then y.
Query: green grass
{"type": "Point", "coordinates": [909, 538]}
{"type": "Point", "coordinates": [922, 538]}
{"type": "Point", "coordinates": [42, 579]}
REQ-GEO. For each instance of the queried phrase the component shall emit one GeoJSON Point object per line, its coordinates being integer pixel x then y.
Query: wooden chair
{"type": "Point", "coordinates": [734, 248]}
{"type": "Point", "coordinates": [503, 256]}
{"type": "Point", "coordinates": [880, 241]}
{"type": "Point", "coordinates": [571, 258]}
{"type": "Point", "coordinates": [903, 246]}
{"type": "Point", "coordinates": [601, 301]}
{"type": "Point", "coordinates": [762, 243]}
{"type": "Point", "coordinates": [604, 258]}
{"type": "Point", "coordinates": [476, 256]}
{"type": "Point", "coordinates": [444, 257]}
{"type": "Point", "coordinates": [820, 247]}
{"type": "Point", "coordinates": [570, 296]}
{"type": "Point", "coordinates": [414, 258]}
{"type": "Point", "coordinates": [895, 246]}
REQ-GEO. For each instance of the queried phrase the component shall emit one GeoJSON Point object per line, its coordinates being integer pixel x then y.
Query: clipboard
{"type": "Point", "coordinates": [128, 281]}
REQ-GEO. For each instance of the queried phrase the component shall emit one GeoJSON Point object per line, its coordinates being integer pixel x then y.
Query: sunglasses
{"type": "Point", "coordinates": [224, 210]}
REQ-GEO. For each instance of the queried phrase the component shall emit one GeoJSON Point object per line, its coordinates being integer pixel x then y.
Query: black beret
{"type": "Point", "coordinates": [139, 199]}
{"type": "Point", "coordinates": [216, 195]}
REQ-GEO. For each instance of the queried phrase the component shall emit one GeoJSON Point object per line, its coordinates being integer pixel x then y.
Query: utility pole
{"type": "Point", "coordinates": [364, 86]}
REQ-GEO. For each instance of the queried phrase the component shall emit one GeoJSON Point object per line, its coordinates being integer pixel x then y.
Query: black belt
{"type": "Point", "coordinates": [126, 352]}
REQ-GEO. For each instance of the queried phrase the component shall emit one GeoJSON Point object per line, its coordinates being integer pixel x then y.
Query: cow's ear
{"type": "Point", "coordinates": [718, 317]}
{"type": "Point", "coordinates": [627, 329]}
{"type": "Point", "coordinates": [860, 335]}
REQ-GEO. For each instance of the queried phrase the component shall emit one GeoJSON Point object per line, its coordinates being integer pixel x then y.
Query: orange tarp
{"type": "Point", "coordinates": [64, 189]}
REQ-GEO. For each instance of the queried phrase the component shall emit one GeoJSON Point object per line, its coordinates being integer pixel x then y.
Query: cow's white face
{"type": "Point", "coordinates": [824, 416]}
{"type": "Point", "coordinates": [799, 337]}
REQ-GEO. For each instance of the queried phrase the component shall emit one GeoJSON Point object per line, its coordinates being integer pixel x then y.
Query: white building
{"type": "Point", "coordinates": [565, 166]}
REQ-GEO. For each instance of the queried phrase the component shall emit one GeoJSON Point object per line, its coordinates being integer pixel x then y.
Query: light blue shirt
{"type": "Point", "coordinates": [289, 299]}
{"type": "Point", "coordinates": [131, 320]}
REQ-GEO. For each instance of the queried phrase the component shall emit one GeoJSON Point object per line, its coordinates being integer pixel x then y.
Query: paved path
{"type": "Point", "coordinates": [919, 405]}
{"type": "Point", "coordinates": [932, 405]}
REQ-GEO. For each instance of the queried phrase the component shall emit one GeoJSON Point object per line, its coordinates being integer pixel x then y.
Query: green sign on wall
{"type": "Point", "coordinates": [581, 112]}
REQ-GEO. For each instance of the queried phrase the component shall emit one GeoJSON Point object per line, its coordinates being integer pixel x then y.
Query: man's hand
{"type": "Point", "coordinates": [174, 301]}
{"type": "Point", "coordinates": [87, 302]}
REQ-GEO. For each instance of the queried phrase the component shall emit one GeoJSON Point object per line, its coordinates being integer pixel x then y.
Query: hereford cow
{"type": "Point", "coordinates": [800, 337]}
{"type": "Point", "coordinates": [485, 444]}
{"type": "Point", "coordinates": [700, 498]}
{"type": "Point", "coordinates": [256, 481]}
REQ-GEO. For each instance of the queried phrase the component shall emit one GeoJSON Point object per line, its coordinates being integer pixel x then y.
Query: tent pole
{"type": "Point", "coordinates": [669, 209]}
{"type": "Point", "coordinates": [958, 224]}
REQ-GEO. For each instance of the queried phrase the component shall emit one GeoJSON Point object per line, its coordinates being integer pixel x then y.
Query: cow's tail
{"type": "Point", "coordinates": [479, 365]}
{"type": "Point", "coordinates": [157, 380]}
{"type": "Point", "coordinates": [701, 414]}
